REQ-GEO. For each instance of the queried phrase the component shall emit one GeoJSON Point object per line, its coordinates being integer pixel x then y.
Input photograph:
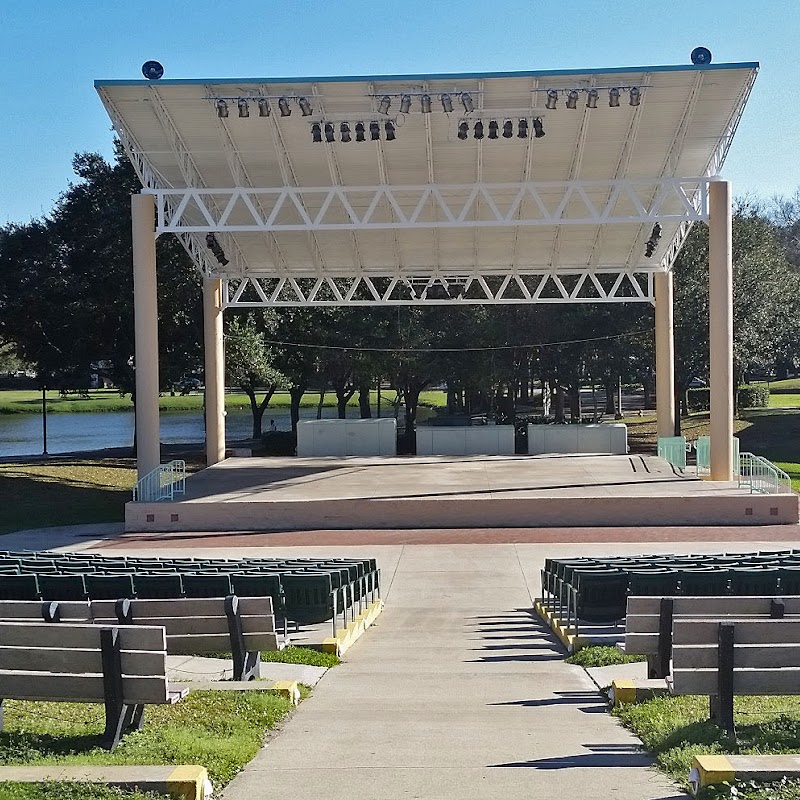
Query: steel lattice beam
{"type": "Point", "coordinates": [497, 288]}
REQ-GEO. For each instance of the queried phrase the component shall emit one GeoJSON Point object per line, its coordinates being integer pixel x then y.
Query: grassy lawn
{"type": "Point", "coordinates": [70, 791]}
{"type": "Point", "coordinates": [222, 731]}
{"type": "Point", "coordinates": [784, 400]}
{"type": "Point", "coordinates": [301, 655]}
{"type": "Point", "coordinates": [602, 657]}
{"type": "Point", "coordinates": [30, 402]}
{"type": "Point", "coordinates": [674, 729]}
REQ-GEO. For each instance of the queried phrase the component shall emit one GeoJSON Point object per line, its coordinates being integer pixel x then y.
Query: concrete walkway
{"type": "Point", "coordinates": [457, 691]}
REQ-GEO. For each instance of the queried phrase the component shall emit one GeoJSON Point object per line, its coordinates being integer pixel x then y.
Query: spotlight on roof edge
{"type": "Point", "coordinates": [305, 106]}
{"type": "Point", "coordinates": [329, 136]}
{"type": "Point", "coordinates": [360, 132]}
{"type": "Point", "coordinates": [467, 102]}
{"type": "Point", "coordinates": [552, 99]}
{"type": "Point", "coordinates": [538, 128]}
{"type": "Point", "coordinates": [386, 101]}
{"type": "Point", "coordinates": [493, 126]}
{"type": "Point", "coordinates": [463, 130]}
{"type": "Point", "coordinates": [374, 131]}
{"type": "Point", "coordinates": [447, 103]}
{"type": "Point", "coordinates": [425, 102]}
{"type": "Point", "coordinates": [244, 108]}
{"type": "Point", "coordinates": [263, 107]}
{"type": "Point", "coordinates": [635, 96]}
{"type": "Point", "coordinates": [522, 131]}
{"type": "Point", "coordinates": [572, 99]}
{"type": "Point", "coordinates": [591, 98]}
{"type": "Point", "coordinates": [508, 129]}
{"type": "Point", "coordinates": [222, 109]}
{"type": "Point", "coordinates": [214, 246]}
{"type": "Point", "coordinates": [316, 132]}
{"type": "Point", "coordinates": [405, 104]}
{"type": "Point", "coordinates": [283, 105]}
{"type": "Point", "coordinates": [344, 129]}
{"type": "Point", "coordinates": [613, 98]}
{"type": "Point", "coordinates": [152, 70]}
{"type": "Point", "coordinates": [389, 128]}
{"type": "Point", "coordinates": [478, 130]}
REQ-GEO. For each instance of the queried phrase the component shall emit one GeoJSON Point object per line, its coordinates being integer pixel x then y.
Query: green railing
{"type": "Point", "coordinates": [673, 450]}
{"type": "Point", "coordinates": [703, 450]}
{"type": "Point", "coordinates": [163, 483]}
{"type": "Point", "coordinates": [762, 476]}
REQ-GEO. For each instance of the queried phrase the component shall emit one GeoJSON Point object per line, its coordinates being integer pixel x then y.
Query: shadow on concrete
{"type": "Point", "coordinates": [601, 755]}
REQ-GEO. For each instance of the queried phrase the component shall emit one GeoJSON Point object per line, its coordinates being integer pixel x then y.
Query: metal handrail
{"type": "Point", "coordinates": [162, 483]}
{"type": "Point", "coordinates": [673, 449]}
{"type": "Point", "coordinates": [703, 450]}
{"type": "Point", "coordinates": [762, 476]}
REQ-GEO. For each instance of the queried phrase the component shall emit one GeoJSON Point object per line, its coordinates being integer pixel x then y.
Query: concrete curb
{"type": "Point", "coordinates": [625, 691]}
{"type": "Point", "coordinates": [711, 769]}
{"type": "Point", "coordinates": [345, 638]}
{"type": "Point", "coordinates": [572, 642]}
{"type": "Point", "coordinates": [185, 782]}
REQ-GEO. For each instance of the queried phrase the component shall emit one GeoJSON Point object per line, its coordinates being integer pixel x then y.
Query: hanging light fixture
{"type": "Point", "coordinates": [572, 99]}
{"type": "Point", "coordinates": [467, 102]}
{"type": "Point", "coordinates": [463, 130]}
{"type": "Point", "coordinates": [222, 108]}
{"type": "Point", "coordinates": [305, 106]}
{"type": "Point", "coordinates": [244, 108]}
{"type": "Point", "coordinates": [359, 131]}
{"type": "Point", "coordinates": [478, 130]}
{"type": "Point", "coordinates": [374, 131]}
{"type": "Point", "coordinates": [405, 104]}
{"type": "Point", "coordinates": [591, 98]}
{"type": "Point", "coordinates": [425, 100]}
{"type": "Point", "coordinates": [522, 131]}
{"type": "Point", "coordinates": [283, 105]}
{"type": "Point", "coordinates": [316, 132]}
{"type": "Point", "coordinates": [344, 129]}
{"type": "Point", "coordinates": [329, 137]}
{"type": "Point", "coordinates": [263, 107]}
{"type": "Point", "coordinates": [613, 98]}
{"type": "Point", "coordinates": [508, 129]}
{"type": "Point", "coordinates": [447, 103]}
{"type": "Point", "coordinates": [635, 96]}
{"type": "Point", "coordinates": [386, 101]}
{"type": "Point", "coordinates": [493, 129]}
{"type": "Point", "coordinates": [389, 128]}
{"type": "Point", "coordinates": [552, 99]}
{"type": "Point", "coordinates": [538, 128]}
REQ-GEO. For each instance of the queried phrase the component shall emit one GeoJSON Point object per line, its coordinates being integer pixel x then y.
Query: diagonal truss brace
{"type": "Point", "coordinates": [542, 286]}
{"type": "Point", "coordinates": [353, 208]}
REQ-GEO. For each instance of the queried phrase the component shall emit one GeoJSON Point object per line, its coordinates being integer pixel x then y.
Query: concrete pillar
{"type": "Point", "coordinates": [720, 313]}
{"type": "Point", "coordinates": [145, 309]}
{"type": "Point", "coordinates": [215, 370]}
{"type": "Point", "coordinates": [665, 355]}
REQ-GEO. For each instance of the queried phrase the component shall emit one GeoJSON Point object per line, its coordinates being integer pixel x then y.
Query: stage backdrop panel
{"type": "Point", "coordinates": [490, 440]}
{"type": "Point", "coordinates": [347, 437]}
{"type": "Point", "coordinates": [611, 438]}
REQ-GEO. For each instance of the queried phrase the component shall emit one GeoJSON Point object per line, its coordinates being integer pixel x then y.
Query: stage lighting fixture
{"type": "Point", "coordinates": [508, 129]}
{"type": "Point", "coordinates": [552, 99]}
{"type": "Point", "coordinates": [572, 99]}
{"type": "Point", "coordinates": [329, 137]}
{"type": "Point", "coordinates": [613, 98]}
{"type": "Point", "coordinates": [463, 130]}
{"type": "Point", "coordinates": [214, 246]}
{"type": "Point", "coordinates": [152, 70]}
{"type": "Point", "coordinates": [359, 131]}
{"type": "Point", "coordinates": [305, 106]}
{"type": "Point", "coordinates": [538, 128]}
{"type": "Point", "coordinates": [263, 108]}
{"type": "Point", "coordinates": [447, 103]}
{"type": "Point", "coordinates": [316, 132]}
{"type": "Point", "coordinates": [522, 133]}
{"type": "Point", "coordinates": [386, 101]}
{"type": "Point", "coordinates": [466, 100]}
{"type": "Point", "coordinates": [405, 104]}
{"type": "Point", "coordinates": [222, 109]}
{"type": "Point", "coordinates": [283, 105]}
{"type": "Point", "coordinates": [479, 130]}
{"type": "Point", "coordinates": [374, 131]}
{"type": "Point", "coordinates": [635, 96]}
{"type": "Point", "coordinates": [591, 98]}
{"type": "Point", "coordinates": [344, 129]}
{"type": "Point", "coordinates": [244, 108]}
{"type": "Point", "coordinates": [493, 129]}
{"type": "Point", "coordinates": [425, 100]}
{"type": "Point", "coordinates": [389, 128]}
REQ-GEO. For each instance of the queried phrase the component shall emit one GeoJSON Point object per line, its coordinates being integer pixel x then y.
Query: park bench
{"type": "Point", "coordinates": [123, 667]}
{"type": "Point", "coordinates": [649, 620]}
{"type": "Point", "coordinates": [723, 658]}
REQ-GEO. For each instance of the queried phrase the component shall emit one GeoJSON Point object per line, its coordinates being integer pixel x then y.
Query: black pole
{"type": "Point", "coordinates": [379, 396]}
{"type": "Point", "coordinates": [44, 420]}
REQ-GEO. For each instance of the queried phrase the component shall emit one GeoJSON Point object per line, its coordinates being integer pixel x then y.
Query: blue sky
{"type": "Point", "coordinates": [52, 50]}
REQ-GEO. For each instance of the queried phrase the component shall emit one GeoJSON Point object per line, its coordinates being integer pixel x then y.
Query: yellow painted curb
{"type": "Point", "coordinates": [288, 689]}
{"type": "Point", "coordinates": [572, 642]}
{"type": "Point", "coordinates": [331, 645]}
{"type": "Point", "coordinates": [189, 783]}
{"type": "Point", "coordinates": [624, 691]}
{"type": "Point", "coordinates": [713, 769]}
{"type": "Point", "coordinates": [346, 637]}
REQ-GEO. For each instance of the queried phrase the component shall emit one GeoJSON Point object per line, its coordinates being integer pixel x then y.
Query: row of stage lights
{"type": "Point", "coordinates": [426, 102]}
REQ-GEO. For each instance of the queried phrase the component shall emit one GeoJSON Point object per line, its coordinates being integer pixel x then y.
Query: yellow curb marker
{"type": "Point", "coordinates": [189, 783]}
{"type": "Point", "coordinates": [710, 769]}
{"type": "Point", "coordinates": [624, 691]}
{"type": "Point", "coordinates": [289, 689]}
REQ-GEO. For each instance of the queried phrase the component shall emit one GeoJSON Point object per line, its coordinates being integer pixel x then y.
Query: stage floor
{"type": "Point", "coordinates": [443, 491]}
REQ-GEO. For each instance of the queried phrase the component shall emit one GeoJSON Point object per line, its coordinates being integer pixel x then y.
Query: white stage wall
{"type": "Point", "coordinates": [610, 438]}
{"type": "Point", "coordinates": [490, 440]}
{"type": "Point", "coordinates": [347, 437]}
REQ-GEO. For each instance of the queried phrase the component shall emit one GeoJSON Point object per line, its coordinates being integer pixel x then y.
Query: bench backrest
{"type": "Point", "coordinates": [42, 661]}
{"type": "Point", "coordinates": [766, 656]}
{"type": "Point", "coordinates": [643, 615]}
{"type": "Point", "coordinates": [77, 611]}
{"type": "Point", "coordinates": [198, 625]}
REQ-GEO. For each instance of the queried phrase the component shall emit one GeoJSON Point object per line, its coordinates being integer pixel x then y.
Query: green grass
{"type": "Point", "coordinates": [675, 729]}
{"type": "Point", "coordinates": [70, 791]}
{"type": "Point", "coordinates": [792, 469]}
{"type": "Point", "coordinates": [301, 655]}
{"type": "Point", "coordinates": [100, 400]}
{"type": "Point", "coordinates": [222, 731]}
{"type": "Point", "coordinates": [602, 657]}
{"type": "Point", "coordinates": [784, 400]}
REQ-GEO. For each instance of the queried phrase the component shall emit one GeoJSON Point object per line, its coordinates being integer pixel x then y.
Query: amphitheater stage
{"type": "Point", "coordinates": [440, 492]}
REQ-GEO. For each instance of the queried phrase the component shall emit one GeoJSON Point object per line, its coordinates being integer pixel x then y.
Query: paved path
{"type": "Point", "coordinates": [456, 692]}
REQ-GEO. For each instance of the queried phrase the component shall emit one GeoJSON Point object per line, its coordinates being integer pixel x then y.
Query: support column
{"type": "Point", "coordinates": [665, 355]}
{"type": "Point", "coordinates": [720, 313]}
{"type": "Point", "coordinates": [145, 310]}
{"type": "Point", "coordinates": [214, 369]}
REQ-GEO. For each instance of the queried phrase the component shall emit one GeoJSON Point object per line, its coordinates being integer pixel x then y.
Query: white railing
{"type": "Point", "coordinates": [762, 476]}
{"type": "Point", "coordinates": [673, 449]}
{"type": "Point", "coordinates": [703, 449]}
{"type": "Point", "coordinates": [163, 483]}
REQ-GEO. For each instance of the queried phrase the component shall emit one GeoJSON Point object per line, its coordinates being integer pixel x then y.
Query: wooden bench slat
{"type": "Point", "coordinates": [745, 681]}
{"type": "Point", "coordinates": [178, 626]}
{"type": "Point", "coordinates": [643, 644]}
{"type": "Point", "coordinates": [210, 643]}
{"type": "Point", "coordinates": [81, 637]}
{"type": "Point", "coordinates": [763, 656]}
{"type": "Point", "coordinates": [185, 606]}
{"type": "Point", "coordinates": [715, 605]}
{"type": "Point", "coordinates": [748, 631]}
{"type": "Point", "coordinates": [71, 611]}
{"type": "Point", "coordinates": [150, 689]}
{"type": "Point", "coordinates": [60, 660]}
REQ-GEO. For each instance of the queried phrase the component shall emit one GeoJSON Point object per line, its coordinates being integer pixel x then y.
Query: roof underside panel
{"type": "Point", "coordinates": [681, 128]}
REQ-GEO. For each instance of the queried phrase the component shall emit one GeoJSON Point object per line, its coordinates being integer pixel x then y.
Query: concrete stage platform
{"type": "Point", "coordinates": [333, 493]}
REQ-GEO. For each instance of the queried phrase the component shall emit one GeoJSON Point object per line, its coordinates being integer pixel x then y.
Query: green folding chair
{"type": "Point", "coordinates": [19, 587]}
{"type": "Point", "coordinates": [109, 587]}
{"type": "Point", "coordinates": [165, 586]}
{"type": "Point", "coordinates": [212, 584]}
{"type": "Point", "coordinates": [62, 587]}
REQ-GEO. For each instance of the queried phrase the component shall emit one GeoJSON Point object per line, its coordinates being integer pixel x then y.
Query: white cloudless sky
{"type": "Point", "coordinates": [51, 51]}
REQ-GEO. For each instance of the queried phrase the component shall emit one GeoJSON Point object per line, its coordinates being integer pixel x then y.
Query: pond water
{"type": "Point", "coordinates": [21, 434]}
